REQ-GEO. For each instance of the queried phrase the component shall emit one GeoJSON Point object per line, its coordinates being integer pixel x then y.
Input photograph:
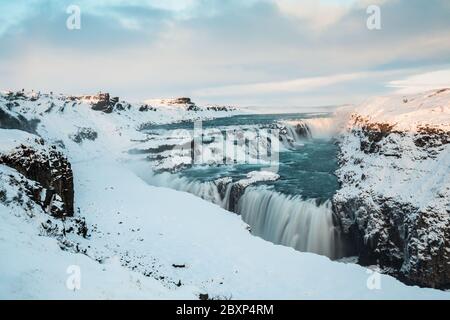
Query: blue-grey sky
{"type": "Point", "coordinates": [242, 52]}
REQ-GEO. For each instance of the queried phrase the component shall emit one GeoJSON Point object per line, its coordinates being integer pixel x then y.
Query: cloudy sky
{"type": "Point", "coordinates": [245, 52]}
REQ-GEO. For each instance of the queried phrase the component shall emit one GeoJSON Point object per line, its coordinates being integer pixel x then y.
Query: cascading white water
{"type": "Point", "coordinates": [206, 190]}
{"type": "Point", "coordinates": [281, 219]}
{"type": "Point", "coordinates": [292, 132]}
{"type": "Point", "coordinates": [289, 221]}
{"type": "Point", "coordinates": [318, 128]}
{"type": "Point", "coordinates": [322, 128]}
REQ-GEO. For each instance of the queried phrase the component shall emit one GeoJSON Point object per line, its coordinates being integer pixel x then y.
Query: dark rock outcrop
{"type": "Point", "coordinates": [103, 104]}
{"type": "Point", "coordinates": [303, 130]}
{"type": "Point", "coordinates": [222, 185]}
{"type": "Point", "coordinates": [183, 100]}
{"type": "Point", "coordinates": [84, 134]}
{"type": "Point", "coordinates": [220, 108]}
{"type": "Point", "coordinates": [107, 104]}
{"type": "Point", "coordinates": [51, 170]}
{"type": "Point", "coordinates": [237, 190]}
{"type": "Point", "coordinates": [9, 120]}
{"type": "Point", "coordinates": [429, 137]}
{"type": "Point", "coordinates": [403, 240]}
{"type": "Point", "coordinates": [146, 107]}
{"type": "Point", "coordinates": [190, 106]}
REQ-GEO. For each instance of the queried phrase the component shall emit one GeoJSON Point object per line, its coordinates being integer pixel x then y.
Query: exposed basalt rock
{"type": "Point", "coordinates": [376, 227]}
{"type": "Point", "coordinates": [235, 189]}
{"type": "Point", "coordinates": [411, 244]}
{"type": "Point", "coordinates": [190, 106]}
{"type": "Point", "coordinates": [236, 192]}
{"type": "Point", "coordinates": [374, 137]}
{"type": "Point", "coordinates": [302, 130]}
{"type": "Point", "coordinates": [231, 192]}
{"type": "Point", "coordinates": [73, 225]}
{"type": "Point", "coordinates": [222, 185]}
{"type": "Point", "coordinates": [182, 100]}
{"type": "Point", "coordinates": [17, 95]}
{"type": "Point", "coordinates": [9, 120]}
{"type": "Point", "coordinates": [103, 103]}
{"type": "Point", "coordinates": [429, 137]}
{"type": "Point", "coordinates": [84, 134]}
{"type": "Point", "coordinates": [220, 108]}
{"type": "Point", "coordinates": [53, 173]}
{"type": "Point", "coordinates": [146, 107]}
{"type": "Point", "coordinates": [429, 250]}
{"type": "Point", "coordinates": [372, 133]}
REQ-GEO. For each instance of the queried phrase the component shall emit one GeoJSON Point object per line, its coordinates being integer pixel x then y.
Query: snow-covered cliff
{"type": "Point", "coordinates": [394, 200]}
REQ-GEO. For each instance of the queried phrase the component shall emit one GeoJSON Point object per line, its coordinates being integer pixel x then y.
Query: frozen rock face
{"type": "Point", "coordinates": [12, 120]}
{"type": "Point", "coordinates": [84, 134]}
{"type": "Point", "coordinates": [103, 102]}
{"type": "Point", "coordinates": [395, 197]}
{"type": "Point", "coordinates": [53, 173]}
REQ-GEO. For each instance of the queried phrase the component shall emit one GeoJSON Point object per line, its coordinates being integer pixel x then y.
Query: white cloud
{"type": "Point", "coordinates": [322, 14]}
{"type": "Point", "coordinates": [253, 52]}
{"type": "Point", "coordinates": [318, 14]}
{"type": "Point", "coordinates": [296, 85]}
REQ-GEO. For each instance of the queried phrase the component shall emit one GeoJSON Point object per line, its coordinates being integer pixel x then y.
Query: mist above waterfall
{"type": "Point", "coordinates": [315, 128]}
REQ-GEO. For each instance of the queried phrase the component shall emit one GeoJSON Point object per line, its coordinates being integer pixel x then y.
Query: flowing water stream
{"type": "Point", "coordinates": [293, 210]}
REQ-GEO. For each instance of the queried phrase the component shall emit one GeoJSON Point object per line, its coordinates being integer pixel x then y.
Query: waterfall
{"type": "Point", "coordinates": [207, 190]}
{"type": "Point", "coordinates": [322, 128]}
{"type": "Point", "coordinates": [317, 128]}
{"type": "Point", "coordinates": [290, 221]}
{"type": "Point", "coordinates": [297, 132]}
{"type": "Point", "coordinates": [281, 219]}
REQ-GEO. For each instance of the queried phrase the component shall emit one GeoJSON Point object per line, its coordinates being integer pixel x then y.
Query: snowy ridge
{"type": "Point", "coordinates": [408, 113]}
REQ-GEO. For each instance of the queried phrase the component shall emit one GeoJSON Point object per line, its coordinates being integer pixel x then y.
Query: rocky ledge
{"type": "Point", "coordinates": [51, 171]}
{"type": "Point", "coordinates": [394, 200]}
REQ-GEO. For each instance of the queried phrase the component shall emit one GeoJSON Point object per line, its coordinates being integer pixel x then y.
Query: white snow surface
{"type": "Point", "coordinates": [150, 242]}
{"type": "Point", "coordinates": [12, 138]}
{"type": "Point", "coordinates": [258, 176]}
{"type": "Point", "coordinates": [407, 113]}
